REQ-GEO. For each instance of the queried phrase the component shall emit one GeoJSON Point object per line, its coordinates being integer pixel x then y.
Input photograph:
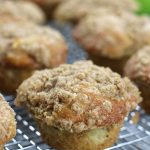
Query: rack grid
{"type": "Point", "coordinates": [132, 137]}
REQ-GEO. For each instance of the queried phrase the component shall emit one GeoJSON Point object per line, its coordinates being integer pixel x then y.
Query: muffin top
{"type": "Point", "coordinates": [21, 9]}
{"type": "Point", "coordinates": [7, 122]}
{"type": "Point", "coordinates": [79, 8]}
{"type": "Point", "coordinates": [109, 34]}
{"type": "Point", "coordinates": [138, 66]}
{"type": "Point", "coordinates": [78, 97]}
{"type": "Point", "coordinates": [27, 45]}
{"type": "Point", "coordinates": [104, 35]}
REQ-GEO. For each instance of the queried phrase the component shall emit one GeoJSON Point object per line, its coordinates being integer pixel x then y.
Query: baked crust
{"type": "Point", "coordinates": [24, 10]}
{"type": "Point", "coordinates": [26, 47]}
{"type": "Point", "coordinates": [144, 88]}
{"type": "Point", "coordinates": [80, 8]}
{"type": "Point", "coordinates": [7, 122]}
{"type": "Point", "coordinates": [96, 139]}
{"type": "Point", "coordinates": [1, 147]}
{"type": "Point", "coordinates": [78, 97]}
{"type": "Point", "coordinates": [116, 65]}
{"type": "Point", "coordinates": [11, 78]}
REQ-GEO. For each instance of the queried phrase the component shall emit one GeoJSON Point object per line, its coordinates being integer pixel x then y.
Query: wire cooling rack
{"type": "Point", "coordinates": [132, 137]}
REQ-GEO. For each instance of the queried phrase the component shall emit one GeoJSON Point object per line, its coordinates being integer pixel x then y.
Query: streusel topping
{"type": "Point", "coordinates": [24, 38]}
{"type": "Point", "coordinates": [139, 65]}
{"type": "Point", "coordinates": [79, 8]}
{"type": "Point", "coordinates": [7, 122]}
{"type": "Point", "coordinates": [78, 97]}
{"type": "Point", "coordinates": [21, 9]}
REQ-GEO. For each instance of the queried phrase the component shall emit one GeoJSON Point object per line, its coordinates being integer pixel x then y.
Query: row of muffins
{"type": "Point", "coordinates": [110, 38]}
{"type": "Point", "coordinates": [71, 103]}
{"type": "Point", "coordinates": [120, 42]}
{"type": "Point", "coordinates": [59, 9]}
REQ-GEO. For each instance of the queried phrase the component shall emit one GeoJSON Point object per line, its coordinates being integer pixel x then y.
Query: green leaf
{"type": "Point", "coordinates": [144, 6]}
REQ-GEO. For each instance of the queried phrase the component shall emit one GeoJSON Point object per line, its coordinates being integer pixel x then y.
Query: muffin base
{"type": "Point", "coordinates": [116, 65]}
{"type": "Point", "coordinates": [96, 139]}
{"type": "Point", "coordinates": [49, 11]}
{"type": "Point", "coordinates": [48, 8]}
{"type": "Point", "coordinates": [11, 78]}
{"type": "Point", "coordinates": [1, 147]}
{"type": "Point", "coordinates": [145, 92]}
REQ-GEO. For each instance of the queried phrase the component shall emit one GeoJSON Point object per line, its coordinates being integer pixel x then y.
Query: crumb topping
{"type": "Point", "coordinates": [78, 97]}
{"type": "Point", "coordinates": [139, 65]}
{"type": "Point", "coordinates": [21, 9]}
{"type": "Point", "coordinates": [30, 41]}
{"type": "Point", "coordinates": [7, 122]}
{"type": "Point", "coordinates": [78, 9]}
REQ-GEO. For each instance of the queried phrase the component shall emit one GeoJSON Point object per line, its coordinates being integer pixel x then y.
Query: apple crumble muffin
{"type": "Point", "coordinates": [78, 106]}
{"type": "Point", "coordinates": [26, 47]}
{"type": "Point", "coordinates": [111, 38]}
{"type": "Point", "coordinates": [138, 70]}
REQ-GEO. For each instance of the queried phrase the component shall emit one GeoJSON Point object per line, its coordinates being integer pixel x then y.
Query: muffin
{"type": "Point", "coordinates": [7, 123]}
{"type": "Point", "coordinates": [110, 39]}
{"type": "Point", "coordinates": [26, 47]}
{"type": "Point", "coordinates": [74, 10]}
{"type": "Point", "coordinates": [21, 9]}
{"type": "Point", "coordinates": [78, 106]}
{"type": "Point", "coordinates": [138, 69]}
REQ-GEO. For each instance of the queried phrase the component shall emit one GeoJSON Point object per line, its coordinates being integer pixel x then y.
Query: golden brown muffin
{"type": "Point", "coordinates": [78, 106]}
{"type": "Point", "coordinates": [21, 9]}
{"type": "Point", "coordinates": [110, 39]}
{"type": "Point", "coordinates": [74, 10]}
{"type": "Point", "coordinates": [26, 47]}
{"type": "Point", "coordinates": [138, 69]}
{"type": "Point", "coordinates": [7, 123]}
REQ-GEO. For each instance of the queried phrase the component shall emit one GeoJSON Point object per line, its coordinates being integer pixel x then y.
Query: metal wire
{"type": "Point", "coordinates": [132, 137]}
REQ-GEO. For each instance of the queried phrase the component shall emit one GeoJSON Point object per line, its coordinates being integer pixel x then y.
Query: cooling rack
{"type": "Point", "coordinates": [132, 137]}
